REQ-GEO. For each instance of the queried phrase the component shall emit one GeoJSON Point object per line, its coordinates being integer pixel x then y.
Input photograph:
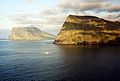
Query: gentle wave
{"type": "Point", "coordinates": [42, 60]}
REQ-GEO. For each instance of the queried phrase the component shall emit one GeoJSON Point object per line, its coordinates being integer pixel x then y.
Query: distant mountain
{"type": "Point", "coordinates": [88, 30]}
{"type": "Point", "coordinates": [29, 33]}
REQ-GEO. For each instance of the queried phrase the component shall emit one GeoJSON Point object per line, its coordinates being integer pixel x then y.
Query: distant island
{"type": "Point", "coordinates": [29, 33]}
{"type": "Point", "coordinates": [88, 30]}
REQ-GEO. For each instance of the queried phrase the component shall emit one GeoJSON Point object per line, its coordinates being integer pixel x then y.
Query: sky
{"type": "Point", "coordinates": [49, 15]}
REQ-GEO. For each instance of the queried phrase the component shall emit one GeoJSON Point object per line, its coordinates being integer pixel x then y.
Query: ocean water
{"type": "Point", "coordinates": [44, 61]}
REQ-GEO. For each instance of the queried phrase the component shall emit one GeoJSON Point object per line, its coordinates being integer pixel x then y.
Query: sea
{"type": "Point", "coordinates": [45, 61]}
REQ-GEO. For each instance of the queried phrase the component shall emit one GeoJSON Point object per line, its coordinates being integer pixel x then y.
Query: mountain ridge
{"type": "Point", "coordinates": [88, 30]}
{"type": "Point", "coordinates": [29, 33]}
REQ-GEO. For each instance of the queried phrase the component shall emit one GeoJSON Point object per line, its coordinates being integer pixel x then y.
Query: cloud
{"type": "Point", "coordinates": [50, 11]}
{"type": "Point", "coordinates": [29, 1]}
{"type": "Point", "coordinates": [52, 18]}
{"type": "Point", "coordinates": [56, 16]}
{"type": "Point", "coordinates": [113, 16]}
{"type": "Point", "coordinates": [90, 5]}
{"type": "Point", "coordinates": [38, 19]}
{"type": "Point", "coordinates": [84, 5]}
{"type": "Point", "coordinates": [47, 19]}
{"type": "Point", "coordinates": [114, 8]}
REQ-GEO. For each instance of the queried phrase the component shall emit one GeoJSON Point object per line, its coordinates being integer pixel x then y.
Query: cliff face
{"type": "Point", "coordinates": [88, 30]}
{"type": "Point", "coordinates": [29, 33]}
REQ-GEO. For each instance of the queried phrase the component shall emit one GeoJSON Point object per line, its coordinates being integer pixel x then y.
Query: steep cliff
{"type": "Point", "coordinates": [88, 30]}
{"type": "Point", "coordinates": [28, 33]}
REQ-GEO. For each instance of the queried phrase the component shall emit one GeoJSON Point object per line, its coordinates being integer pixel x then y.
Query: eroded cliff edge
{"type": "Point", "coordinates": [29, 33]}
{"type": "Point", "coordinates": [88, 30]}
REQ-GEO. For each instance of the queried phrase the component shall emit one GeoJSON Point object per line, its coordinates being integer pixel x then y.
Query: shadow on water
{"type": "Point", "coordinates": [91, 62]}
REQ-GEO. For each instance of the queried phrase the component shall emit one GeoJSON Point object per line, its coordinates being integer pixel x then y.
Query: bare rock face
{"type": "Point", "coordinates": [88, 30]}
{"type": "Point", "coordinates": [29, 33]}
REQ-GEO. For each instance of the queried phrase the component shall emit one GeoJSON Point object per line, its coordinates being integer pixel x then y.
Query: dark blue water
{"type": "Point", "coordinates": [44, 61]}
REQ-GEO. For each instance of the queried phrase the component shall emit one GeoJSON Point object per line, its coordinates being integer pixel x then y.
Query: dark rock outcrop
{"type": "Point", "coordinates": [88, 30]}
